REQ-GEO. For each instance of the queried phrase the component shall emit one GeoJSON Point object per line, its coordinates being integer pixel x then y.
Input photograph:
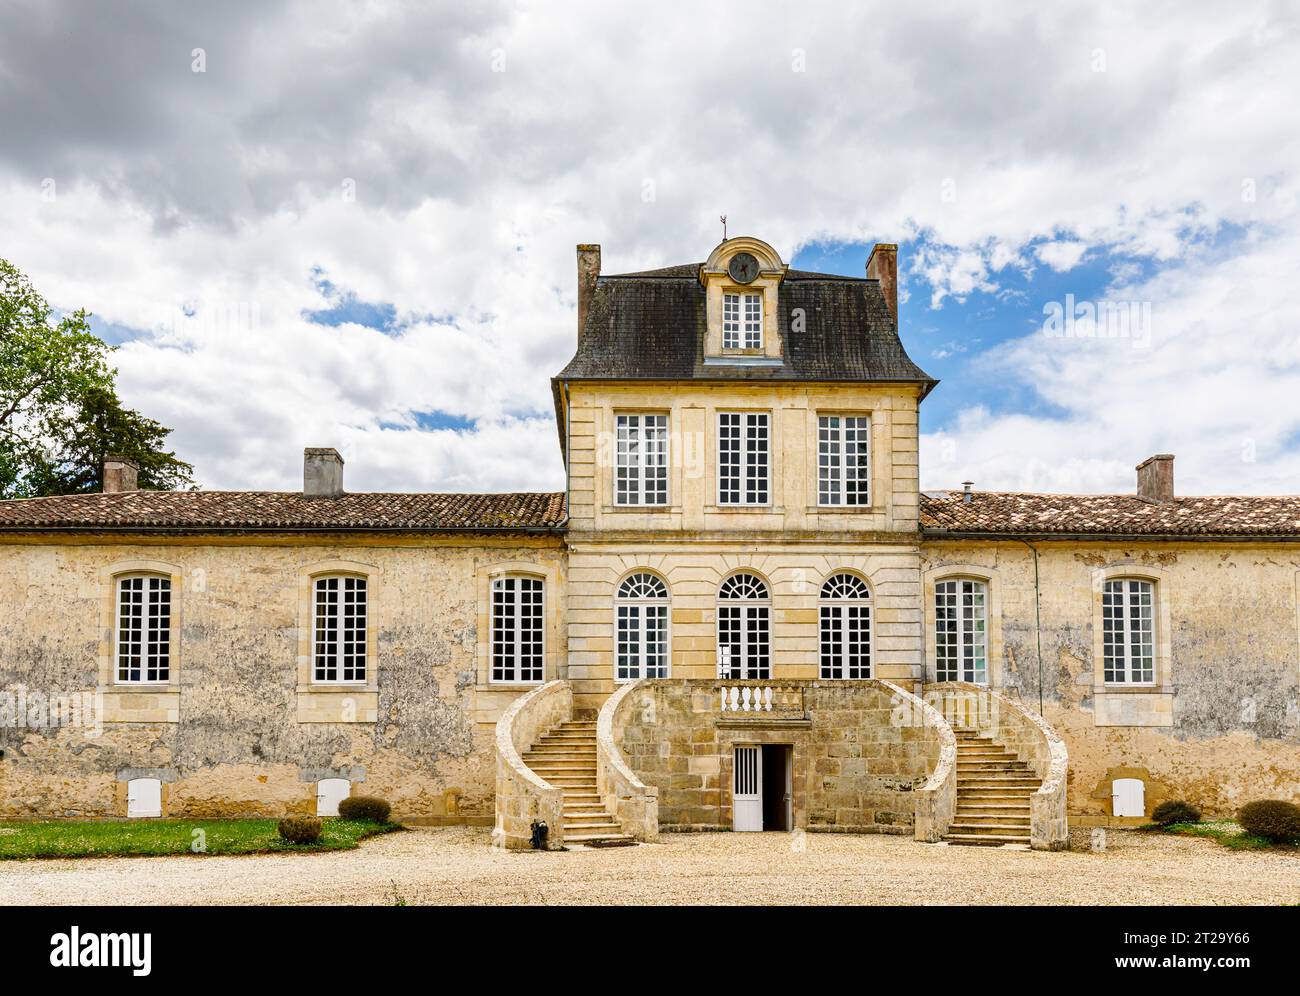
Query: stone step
{"type": "Point", "coordinates": [966, 821]}
{"type": "Point", "coordinates": [597, 839]}
{"type": "Point", "coordinates": [989, 828]}
{"type": "Point", "coordinates": [996, 778]}
{"type": "Point", "coordinates": [967, 807]}
{"type": "Point", "coordinates": [982, 765]}
{"type": "Point", "coordinates": [990, 839]}
{"type": "Point", "coordinates": [606, 825]}
{"type": "Point", "coordinates": [554, 764]}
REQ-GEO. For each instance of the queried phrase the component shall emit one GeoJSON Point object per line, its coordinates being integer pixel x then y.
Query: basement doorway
{"type": "Point", "coordinates": [763, 788]}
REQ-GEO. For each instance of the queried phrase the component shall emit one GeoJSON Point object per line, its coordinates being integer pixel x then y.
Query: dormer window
{"type": "Point", "coordinates": [742, 321]}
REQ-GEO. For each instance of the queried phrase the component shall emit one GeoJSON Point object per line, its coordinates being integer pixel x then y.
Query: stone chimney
{"type": "Point", "coordinates": [1156, 478]}
{"type": "Point", "coordinates": [882, 265]}
{"type": "Point", "coordinates": [588, 271]}
{"type": "Point", "coordinates": [322, 472]}
{"type": "Point", "coordinates": [120, 474]}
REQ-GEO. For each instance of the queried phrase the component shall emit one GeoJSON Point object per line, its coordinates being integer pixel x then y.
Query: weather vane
{"type": "Point", "coordinates": [723, 218]}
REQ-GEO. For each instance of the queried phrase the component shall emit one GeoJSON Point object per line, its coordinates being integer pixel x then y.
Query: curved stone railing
{"type": "Point", "coordinates": [523, 797]}
{"type": "Point", "coordinates": [936, 800]}
{"type": "Point", "coordinates": [1025, 733]}
{"type": "Point", "coordinates": [633, 803]}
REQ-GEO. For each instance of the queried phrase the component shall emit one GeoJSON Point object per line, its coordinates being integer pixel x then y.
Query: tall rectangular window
{"type": "Point", "coordinates": [518, 623]}
{"type": "Point", "coordinates": [843, 460]}
{"type": "Point", "coordinates": [339, 635]}
{"type": "Point", "coordinates": [743, 458]}
{"type": "Point", "coordinates": [742, 321]}
{"type": "Point", "coordinates": [960, 631]}
{"type": "Point", "coordinates": [144, 626]}
{"type": "Point", "coordinates": [1128, 632]}
{"type": "Point", "coordinates": [641, 461]}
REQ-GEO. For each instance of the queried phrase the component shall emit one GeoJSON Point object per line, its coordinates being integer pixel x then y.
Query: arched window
{"type": "Point", "coordinates": [144, 626]}
{"type": "Point", "coordinates": [1128, 631]}
{"type": "Point", "coordinates": [641, 628]}
{"type": "Point", "coordinates": [744, 624]}
{"type": "Point", "coordinates": [960, 631]}
{"type": "Point", "coordinates": [845, 613]}
{"type": "Point", "coordinates": [340, 615]}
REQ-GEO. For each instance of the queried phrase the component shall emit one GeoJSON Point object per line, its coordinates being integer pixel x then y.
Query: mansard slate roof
{"type": "Point", "coordinates": [651, 326]}
{"type": "Point", "coordinates": [1018, 514]}
{"type": "Point", "coordinates": [285, 511]}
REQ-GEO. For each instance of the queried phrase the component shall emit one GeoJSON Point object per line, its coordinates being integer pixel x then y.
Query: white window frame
{"type": "Point", "coordinates": [641, 441]}
{"type": "Point", "coordinates": [333, 648]}
{"type": "Point", "coordinates": [742, 320]}
{"type": "Point", "coordinates": [836, 487]}
{"type": "Point", "coordinates": [748, 614]}
{"type": "Point", "coordinates": [834, 613]}
{"type": "Point", "coordinates": [642, 607]}
{"type": "Point", "coordinates": [1121, 671]}
{"type": "Point", "coordinates": [515, 672]}
{"type": "Point", "coordinates": [747, 482]}
{"type": "Point", "coordinates": [956, 668]}
{"type": "Point", "coordinates": [151, 631]}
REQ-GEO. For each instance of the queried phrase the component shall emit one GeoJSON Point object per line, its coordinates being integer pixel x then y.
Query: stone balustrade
{"type": "Point", "coordinates": [760, 696]}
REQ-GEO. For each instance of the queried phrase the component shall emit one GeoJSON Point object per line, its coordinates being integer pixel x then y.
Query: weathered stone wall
{"type": "Point", "coordinates": [860, 751]}
{"type": "Point", "coordinates": [1221, 725]}
{"type": "Point", "coordinates": [420, 733]}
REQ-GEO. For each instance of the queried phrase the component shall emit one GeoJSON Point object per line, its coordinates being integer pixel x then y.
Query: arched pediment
{"type": "Point", "coordinates": [769, 260]}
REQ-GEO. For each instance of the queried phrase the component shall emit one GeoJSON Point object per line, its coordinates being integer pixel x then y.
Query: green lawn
{"type": "Point", "coordinates": [1225, 832]}
{"type": "Point", "coordinates": [82, 839]}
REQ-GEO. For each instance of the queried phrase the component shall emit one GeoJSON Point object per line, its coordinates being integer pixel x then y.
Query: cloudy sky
{"type": "Point", "coordinates": [353, 224]}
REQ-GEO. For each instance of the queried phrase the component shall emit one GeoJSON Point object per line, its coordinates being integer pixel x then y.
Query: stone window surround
{"type": "Point", "coordinates": [993, 649]}
{"type": "Point", "coordinates": [1160, 617]}
{"type": "Point", "coordinates": [668, 626]}
{"type": "Point", "coordinates": [552, 636]}
{"type": "Point", "coordinates": [138, 702]}
{"type": "Point", "coordinates": [335, 702]}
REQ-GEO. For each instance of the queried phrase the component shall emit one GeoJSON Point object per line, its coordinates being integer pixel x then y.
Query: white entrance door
{"type": "Point", "coordinates": [1128, 797]}
{"type": "Point", "coordinates": [747, 790]}
{"type": "Point", "coordinates": [329, 793]}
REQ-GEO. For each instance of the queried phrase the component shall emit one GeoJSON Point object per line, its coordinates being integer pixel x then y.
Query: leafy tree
{"type": "Point", "coordinates": [59, 411]}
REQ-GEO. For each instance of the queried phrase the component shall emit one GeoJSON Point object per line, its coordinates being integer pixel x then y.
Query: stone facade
{"type": "Point", "coordinates": [860, 751]}
{"type": "Point", "coordinates": [1221, 724]}
{"type": "Point", "coordinates": [239, 727]}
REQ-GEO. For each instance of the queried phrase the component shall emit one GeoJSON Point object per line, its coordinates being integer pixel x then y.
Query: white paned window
{"type": "Point", "coordinates": [144, 627]}
{"type": "Point", "coordinates": [845, 617]}
{"type": "Point", "coordinates": [744, 441]}
{"type": "Point", "coordinates": [641, 471]}
{"type": "Point", "coordinates": [641, 628]}
{"type": "Point", "coordinates": [339, 635]}
{"type": "Point", "coordinates": [843, 460]}
{"type": "Point", "coordinates": [744, 624]}
{"type": "Point", "coordinates": [742, 321]}
{"type": "Point", "coordinates": [1128, 632]}
{"type": "Point", "coordinates": [960, 631]}
{"type": "Point", "coordinates": [518, 622]}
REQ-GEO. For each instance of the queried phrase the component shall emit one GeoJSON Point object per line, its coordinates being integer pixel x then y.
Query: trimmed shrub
{"type": "Point", "coordinates": [1175, 811]}
{"type": "Point", "coordinates": [300, 829]}
{"type": "Point", "coordinates": [1271, 819]}
{"type": "Point", "coordinates": [364, 807]}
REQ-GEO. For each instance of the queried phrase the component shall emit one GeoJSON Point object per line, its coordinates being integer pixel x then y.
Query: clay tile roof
{"type": "Point", "coordinates": [1024, 514]}
{"type": "Point", "coordinates": [285, 511]}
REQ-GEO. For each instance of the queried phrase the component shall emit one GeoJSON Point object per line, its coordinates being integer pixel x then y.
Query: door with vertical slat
{"type": "Point", "coordinates": [747, 790]}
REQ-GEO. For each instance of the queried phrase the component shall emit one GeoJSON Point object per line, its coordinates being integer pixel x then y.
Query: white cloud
{"type": "Point", "coordinates": [985, 131]}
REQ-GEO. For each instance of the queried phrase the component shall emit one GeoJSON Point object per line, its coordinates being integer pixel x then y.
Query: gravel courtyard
{"type": "Point", "coordinates": [458, 866]}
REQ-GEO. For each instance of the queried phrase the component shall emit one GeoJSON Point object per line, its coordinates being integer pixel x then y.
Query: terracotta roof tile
{"type": "Point", "coordinates": [1027, 514]}
{"type": "Point", "coordinates": [279, 510]}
